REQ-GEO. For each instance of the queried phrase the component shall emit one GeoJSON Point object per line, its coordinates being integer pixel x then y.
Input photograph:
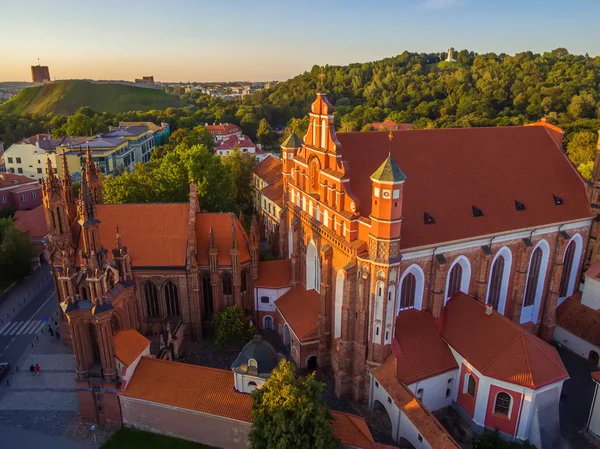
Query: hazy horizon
{"type": "Point", "coordinates": [203, 41]}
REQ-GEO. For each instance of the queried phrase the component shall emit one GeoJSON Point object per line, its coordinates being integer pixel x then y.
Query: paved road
{"type": "Point", "coordinates": [20, 330]}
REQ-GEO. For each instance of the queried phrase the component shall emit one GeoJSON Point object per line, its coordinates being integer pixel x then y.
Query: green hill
{"type": "Point", "coordinates": [65, 97]}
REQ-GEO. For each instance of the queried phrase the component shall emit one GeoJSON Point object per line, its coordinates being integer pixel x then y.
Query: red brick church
{"type": "Point", "coordinates": [161, 269]}
{"type": "Point", "coordinates": [476, 234]}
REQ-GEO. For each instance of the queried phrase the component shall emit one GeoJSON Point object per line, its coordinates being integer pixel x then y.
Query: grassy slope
{"type": "Point", "coordinates": [65, 97]}
{"type": "Point", "coordinates": [126, 438]}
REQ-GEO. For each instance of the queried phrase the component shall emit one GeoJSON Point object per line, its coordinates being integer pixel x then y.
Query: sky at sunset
{"type": "Point", "coordinates": [198, 40]}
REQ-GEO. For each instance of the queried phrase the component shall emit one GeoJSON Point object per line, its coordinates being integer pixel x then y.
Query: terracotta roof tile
{"type": "Point", "coordinates": [198, 388]}
{"type": "Point", "coordinates": [231, 142]}
{"type": "Point", "coordinates": [223, 129]}
{"type": "Point", "coordinates": [274, 274]}
{"type": "Point", "coordinates": [391, 126]}
{"type": "Point", "coordinates": [274, 192]}
{"type": "Point", "coordinates": [155, 234]}
{"type": "Point", "coordinates": [352, 430]}
{"type": "Point", "coordinates": [450, 170]}
{"type": "Point", "coordinates": [300, 308]}
{"type": "Point", "coordinates": [8, 180]}
{"type": "Point", "coordinates": [499, 348]}
{"type": "Point", "coordinates": [269, 170]}
{"type": "Point", "coordinates": [32, 222]}
{"type": "Point", "coordinates": [594, 270]}
{"type": "Point", "coordinates": [579, 319]}
{"type": "Point", "coordinates": [419, 348]}
{"type": "Point", "coordinates": [596, 376]}
{"type": "Point", "coordinates": [221, 224]}
{"type": "Point", "coordinates": [129, 345]}
{"type": "Point", "coordinates": [428, 426]}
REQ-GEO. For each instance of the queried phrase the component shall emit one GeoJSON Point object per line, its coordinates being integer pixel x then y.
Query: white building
{"type": "Point", "coordinates": [243, 143]}
{"type": "Point", "coordinates": [223, 131]}
{"type": "Point", "coordinates": [254, 364]}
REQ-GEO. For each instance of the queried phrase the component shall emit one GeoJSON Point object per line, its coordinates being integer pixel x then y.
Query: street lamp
{"type": "Point", "coordinates": [93, 429]}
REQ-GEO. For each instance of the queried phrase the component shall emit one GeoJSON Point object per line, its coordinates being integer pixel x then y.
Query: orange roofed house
{"type": "Point", "coordinates": [382, 231]}
{"type": "Point", "coordinates": [159, 270]}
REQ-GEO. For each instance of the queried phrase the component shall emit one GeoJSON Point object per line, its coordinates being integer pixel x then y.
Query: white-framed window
{"type": "Point", "coordinates": [499, 279]}
{"type": "Point", "coordinates": [396, 194]}
{"type": "Point", "coordinates": [503, 404]}
{"type": "Point", "coordinates": [410, 294]}
{"type": "Point", "coordinates": [339, 301]}
{"type": "Point", "coordinates": [534, 286]}
{"type": "Point", "coordinates": [33, 195]}
{"type": "Point", "coordinates": [4, 199]}
{"type": "Point", "coordinates": [459, 277]}
{"type": "Point", "coordinates": [23, 197]}
{"type": "Point", "coordinates": [376, 191]}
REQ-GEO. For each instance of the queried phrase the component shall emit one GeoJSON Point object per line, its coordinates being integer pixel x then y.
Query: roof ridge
{"type": "Point", "coordinates": [501, 353]}
{"type": "Point", "coordinates": [536, 343]}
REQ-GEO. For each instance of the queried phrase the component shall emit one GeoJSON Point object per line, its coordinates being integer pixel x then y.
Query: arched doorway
{"type": "Point", "coordinates": [311, 363]}
{"type": "Point", "coordinates": [268, 323]}
{"type": "Point", "coordinates": [382, 417]}
{"type": "Point", "coordinates": [594, 357]}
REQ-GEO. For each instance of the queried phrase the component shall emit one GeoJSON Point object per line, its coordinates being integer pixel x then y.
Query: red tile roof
{"type": "Point", "coordinates": [391, 126]}
{"type": "Point", "coordinates": [129, 345]}
{"type": "Point", "coordinates": [35, 138]}
{"type": "Point", "coordinates": [596, 376]}
{"type": "Point", "coordinates": [579, 319]}
{"type": "Point", "coordinates": [156, 235]}
{"type": "Point", "coordinates": [230, 143]}
{"type": "Point", "coordinates": [428, 426]}
{"type": "Point", "coordinates": [274, 192]}
{"type": "Point", "coordinates": [198, 388]}
{"type": "Point", "coordinates": [594, 270]}
{"type": "Point", "coordinates": [499, 348]}
{"type": "Point", "coordinates": [419, 348]}
{"type": "Point", "coordinates": [8, 180]}
{"type": "Point", "coordinates": [300, 308]}
{"type": "Point", "coordinates": [221, 224]}
{"type": "Point", "coordinates": [269, 170]}
{"type": "Point", "coordinates": [274, 274]}
{"type": "Point", "coordinates": [451, 170]}
{"type": "Point", "coordinates": [210, 390]}
{"type": "Point", "coordinates": [32, 222]}
{"type": "Point", "coordinates": [223, 129]}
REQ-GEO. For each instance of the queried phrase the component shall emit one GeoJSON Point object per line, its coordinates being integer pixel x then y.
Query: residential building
{"type": "Point", "coordinates": [161, 133]}
{"type": "Point", "coordinates": [223, 131]}
{"type": "Point", "coordinates": [110, 153]}
{"type": "Point", "coordinates": [243, 143]}
{"type": "Point", "coordinates": [389, 125]}
{"type": "Point", "coordinates": [28, 157]}
{"type": "Point", "coordinates": [374, 232]}
{"type": "Point", "coordinates": [141, 143]}
{"type": "Point", "coordinates": [19, 192]}
{"type": "Point", "coordinates": [267, 194]}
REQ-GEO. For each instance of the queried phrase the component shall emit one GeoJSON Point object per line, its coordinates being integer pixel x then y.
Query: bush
{"type": "Point", "coordinates": [492, 440]}
{"type": "Point", "coordinates": [231, 327]}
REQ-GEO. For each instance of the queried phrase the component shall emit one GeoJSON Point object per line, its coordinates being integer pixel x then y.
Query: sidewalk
{"type": "Point", "coordinates": [21, 293]}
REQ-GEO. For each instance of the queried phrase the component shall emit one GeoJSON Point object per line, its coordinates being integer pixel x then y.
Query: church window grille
{"type": "Point", "coordinates": [532, 277]}
{"type": "Point", "coordinates": [502, 404]}
{"type": "Point", "coordinates": [409, 285]}
{"type": "Point", "coordinates": [471, 386]}
{"type": "Point", "coordinates": [567, 267]}
{"type": "Point", "coordinates": [151, 295]}
{"type": "Point", "coordinates": [455, 280]}
{"type": "Point", "coordinates": [496, 282]}
{"type": "Point", "coordinates": [172, 298]}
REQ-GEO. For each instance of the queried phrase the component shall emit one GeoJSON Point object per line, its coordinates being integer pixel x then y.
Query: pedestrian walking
{"type": "Point", "coordinates": [32, 370]}
{"type": "Point", "coordinates": [37, 369]}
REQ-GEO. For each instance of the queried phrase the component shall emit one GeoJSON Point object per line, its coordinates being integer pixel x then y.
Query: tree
{"type": "Point", "coordinates": [232, 327]}
{"type": "Point", "coordinates": [240, 167]}
{"type": "Point", "coordinates": [581, 148]}
{"type": "Point", "coordinates": [264, 134]}
{"type": "Point", "coordinates": [289, 413]}
{"type": "Point", "coordinates": [16, 251]}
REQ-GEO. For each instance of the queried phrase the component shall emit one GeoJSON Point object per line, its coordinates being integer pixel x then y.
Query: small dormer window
{"type": "Point", "coordinates": [252, 363]}
{"type": "Point", "coordinates": [558, 201]}
{"type": "Point", "coordinates": [428, 219]}
{"type": "Point", "coordinates": [477, 212]}
{"type": "Point", "coordinates": [16, 181]}
{"type": "Point", "coordinates": [519, 206]}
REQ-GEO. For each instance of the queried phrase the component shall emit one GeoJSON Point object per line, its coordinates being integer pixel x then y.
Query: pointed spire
{"type": "Point", "coordinates": [389, 172]}
{"type": "Point", "coordinates": [66, 174]}
{"type": "Point", "coordinates": [254, 234]}
{"type": "Point", "coordinates": [234, 242]}
{"type": "Point", "coordinates": [86, 204]}
{"type": "Point", "coordinates": [119, 247]}
{"type": "Point", "coordinates": [89, 163]}
{"type": "Point", "coordinates": [51, 176]}
{"type": "Point", "coordinates": [211, 239]}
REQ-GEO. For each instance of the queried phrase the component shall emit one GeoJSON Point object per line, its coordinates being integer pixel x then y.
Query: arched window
{"type": "Point", "coordinates": [83, 292]}
{"type": "Point", "coordinates": [378, 312]}
{"type": "Point", "coordinates": [207, 295]}
{"type": "Point", "coordinates": [244, 285]}
{"type": "Point", "coordinates": [389, 314]}
{"type": "Point", "coordinates": [227, 289]}
{"type": "Point", "coordinates": [252, 363]}
{"type": "Point", "coordinates": [499, 279]}
{"type": "Point", "coordinates": [315, 169]}
{"type": "Point", "coordinates": [313, 268]}
{"type": "Point", "coordinates": [502, 404]}
{"type": "Point", "coordinates": [570, 267]}
{"type": "Point", "coordinates": [458, 277]}
{"type": "Point", "coordinates": [407, 294]}
{"type": "Point", "coordinates": [172, 298]}
{"type": "Point", "coordinates": [114, 324]}
{"type": "Point", "coordinates": [318, 213]}
{"type": "Point", "coordinates": [323, 134]}
{"type": "Point", "coordinates": [420, 394]}
{"type": "Point", "coordinates": [325, 218]}
{"type": "Point", "coordinates": [471, 385]}
{"type": "Point", "coordinates": [151, 295]}
{"type": "Point", "coordinates": [314, 132]}
{"type": "Point", "coordinates": [268, 323]}
{"type": "Point", "coordinates": [290, 242]}
{"type": "Point", "coordinates": [534, 287]}
{"type": "Point", "coordinates": [339, 301]}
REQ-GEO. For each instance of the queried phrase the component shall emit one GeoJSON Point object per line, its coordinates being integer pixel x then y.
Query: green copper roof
{"type": "Point", "coordinates": [293, 141]}
{"type": "Point", "coordinates": [389, 171]}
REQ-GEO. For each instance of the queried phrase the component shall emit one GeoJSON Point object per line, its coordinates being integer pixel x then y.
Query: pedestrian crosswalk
{"type": "Point", "coordinates": [21, 327]}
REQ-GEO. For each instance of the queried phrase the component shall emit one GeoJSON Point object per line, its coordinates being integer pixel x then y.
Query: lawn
{"type": "Point", "coordinates": [126, 438]}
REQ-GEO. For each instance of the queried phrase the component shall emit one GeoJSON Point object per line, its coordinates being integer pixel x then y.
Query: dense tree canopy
{"type": "Point", "coordinates": [16, 252]}
{"type": "Point", "coordinates": [289, 413]}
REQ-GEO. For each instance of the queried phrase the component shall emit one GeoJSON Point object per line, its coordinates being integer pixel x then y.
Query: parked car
{"type": "Point", "coordinates": [4, 367]}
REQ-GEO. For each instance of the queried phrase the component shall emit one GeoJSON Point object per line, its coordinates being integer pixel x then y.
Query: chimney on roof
{"type": "Point", "coordinates": [489, 309]}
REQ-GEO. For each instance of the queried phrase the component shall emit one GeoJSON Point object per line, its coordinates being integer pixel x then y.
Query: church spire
{"type": "Point", "coordinates": [67, 191]}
